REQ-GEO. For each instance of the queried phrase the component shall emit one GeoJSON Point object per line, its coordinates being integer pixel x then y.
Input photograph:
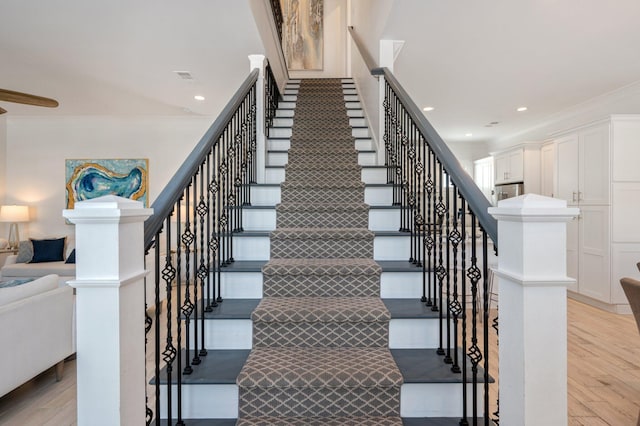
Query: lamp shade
{"type": "Point", "coordinates": [14, 214]}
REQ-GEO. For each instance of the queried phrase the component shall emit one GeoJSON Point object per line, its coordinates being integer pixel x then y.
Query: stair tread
{"type": "Point", "coordinates": [320, 421]}
{"type": "Point", "coordinates": [320, 367]}
{"type": "Point", "coordinates": [409, 308]}
{"type": "Point", "coordinates": [315, 266]}
{"type": "Point", "coordinates": [314, 184]}
{"type": "Point", "coordinates": [321, 309]}
{"type": "Point", "coordinates": [218, 367]}
{"type": "Point", "coordinates": [321, 233]}
{"type": "Point", "coordinates": [233, 309]}
{"type": "Point", "coordinates": [426, 366]}
{"type": "Point", "coordinates": [292, 206]}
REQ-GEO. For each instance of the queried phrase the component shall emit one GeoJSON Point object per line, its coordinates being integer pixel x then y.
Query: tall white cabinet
{"type": "Point", "coordinates": [595, 171]}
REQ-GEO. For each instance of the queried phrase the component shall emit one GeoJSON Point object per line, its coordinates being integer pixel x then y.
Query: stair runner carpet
{"type": "Point", "coordinates": [320, 334]}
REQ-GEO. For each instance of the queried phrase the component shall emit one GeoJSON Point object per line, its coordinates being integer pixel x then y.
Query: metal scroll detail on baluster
{"type": "Point", "coordinates": [445, 239]}
{"type": "Point", "coordinates": [191, 238]}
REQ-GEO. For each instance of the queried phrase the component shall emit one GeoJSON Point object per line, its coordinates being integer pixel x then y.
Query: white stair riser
{"type": "Point", "coordinates": [357, 121]}
{"type": "Point", "coordinates": [282, 158]}
{"type": "Point", "coordinates": [202, 401]}
{"type": "Point", "coordinates": [225, 334]}
{"type": "Point", "coordinates": [282, 122]}
{"type": "Point", "coordinates": [351, 98]}
{"type": "Point", "coordinates": [393, 285]}
{"type": "Point", "coordinates": [401, 285]}
{"type": "Point", "coordinates": [367, 158]}
{"type": "Point", "coordinates": [412, 333]}
{"type": "Point", "coordinates": [291, 91]}
{"type": "Point", "coordinates": [265, 195]}
{"type": "Point", "coordinates": [277, 158]}
{"type": "Point", "coordinates": [289, 98]}
{"type": "Point", "coordinates": [436, 399]}
{"type": "Point", "coordinates": [384, 219]}
{"type": "Point", "coordinates": [416, 400]}
{"type": "Point", "coordinates": [259, 219]}
{"type": "Point", "coordinates": [364, 144]}
{"type": "Point", "coordinates": [374, 175]}
{"type": "Point", "coordinates": [377, 195]}
{"type": "Point", "coordinates": [285, 113]}
{"type": "Point", "coordinates": [360, 132]}
{"type": "Point", "coordinates": [280, 132]}
{"type": "Point", "coordinates": [353, 105]}
{"type": "Point", "coordinates": [352, 112]}
{"type": "Point", "coordinates": [241, 285]}
{"type": "Point", "coordinates": [346, 90]}
{"type": "Point", "coordinates": [278, 144]}
{"type": "Point", "coordinates": [251, 248]}
{"type": "Point", "coordinates": [274, 175]}
{"type": "Point", "coordinates": [391, 248]}
{"type": "Point", "coordinates": [289, 105]}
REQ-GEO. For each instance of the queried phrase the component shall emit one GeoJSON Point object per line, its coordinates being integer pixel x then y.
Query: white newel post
{"type": "Point", "coordinates": [110, 310]}
{"type": "Point", "coordinates": [389, 51]}
{"type": "Point", "coordinates": [532, 241]}
{"type": "Point", "coordinates": [259, 61]}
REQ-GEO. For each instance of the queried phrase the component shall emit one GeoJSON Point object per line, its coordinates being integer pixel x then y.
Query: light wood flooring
{"type": "Point", "coordinates": [604, 377]}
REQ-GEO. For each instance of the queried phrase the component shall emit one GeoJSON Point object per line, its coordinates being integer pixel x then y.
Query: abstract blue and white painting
{"type": "Point", "coordinates": [87, 179]}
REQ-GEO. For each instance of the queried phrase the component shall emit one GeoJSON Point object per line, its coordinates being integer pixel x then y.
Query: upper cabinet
{"type": "Point", "coordinates": [519, 164]}
{"type": "Point", "coordinates": [510, 166]}
{"type": "Point", "coordinates": [583, 165]}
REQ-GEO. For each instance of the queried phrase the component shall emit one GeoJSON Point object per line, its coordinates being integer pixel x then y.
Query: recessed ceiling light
{"type": "Point", "coordinates": [198, 98]}
{"type": "Point", "coordinates": [521, 109]}
{"type": "Point", "coordinates": [427, 109]}
{"type": "Point", "coordinates": [468, 134]}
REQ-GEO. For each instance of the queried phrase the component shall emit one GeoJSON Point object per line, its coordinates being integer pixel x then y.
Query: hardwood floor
{"type": "Point", "coordinates": [604, 377]}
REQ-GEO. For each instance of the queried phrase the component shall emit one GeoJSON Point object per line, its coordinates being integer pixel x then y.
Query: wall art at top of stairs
{"type": "Point", "coordinates": [303, 34]}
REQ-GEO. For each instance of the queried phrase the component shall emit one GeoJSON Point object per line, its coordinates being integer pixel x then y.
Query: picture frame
{"type": "Point", "coordinates": [91, 178]}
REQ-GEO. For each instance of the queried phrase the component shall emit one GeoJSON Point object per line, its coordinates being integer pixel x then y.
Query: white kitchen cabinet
{"type": "Point", "coordinates": [583, 166]}
{"type": "Point", "coordinates": [593, 172]}
{"type": "Point", "coordinates": [510, 166]}
{"type": "Point", "coordinates": [483, 176]}
{"type": "Point", "coordinates": [519, 164]}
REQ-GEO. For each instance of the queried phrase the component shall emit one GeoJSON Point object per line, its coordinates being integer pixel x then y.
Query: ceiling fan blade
{"type": "Point", "coordinates": [25, 98]}
{"type": "Point", "coordinates": [2, 110]}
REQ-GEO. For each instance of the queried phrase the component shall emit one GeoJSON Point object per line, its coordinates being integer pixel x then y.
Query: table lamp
{"type": "Point", "coordinates": [14, 214]}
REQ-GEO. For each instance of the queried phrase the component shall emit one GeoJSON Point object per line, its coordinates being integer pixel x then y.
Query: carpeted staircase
{"type": "Point", "coordinates": [320, 334]}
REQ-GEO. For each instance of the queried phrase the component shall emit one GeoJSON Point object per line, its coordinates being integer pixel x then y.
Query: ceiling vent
{"type": "Point", "coordinates": [185, 75]}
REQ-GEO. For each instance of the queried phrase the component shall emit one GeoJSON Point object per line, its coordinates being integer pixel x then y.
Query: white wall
{"type": "Point", "coordinates": [335, 38]}
{"type": "Point", "coordinates": [369, 20]}
{"type": "Point", "coordinates": [38, 146]}
{"type": "Point", "coordinates": [4, 229]}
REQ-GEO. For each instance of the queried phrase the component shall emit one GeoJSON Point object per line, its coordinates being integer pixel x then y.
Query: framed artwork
{"type": "Point", "coordinates": [303, 34]}
{"type": "Point", "coordinates": [87, 179]}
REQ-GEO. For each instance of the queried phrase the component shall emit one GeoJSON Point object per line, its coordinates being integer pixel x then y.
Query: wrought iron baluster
{"type": "Point", "coordinates": [447, 271]}
{"type": "Point", "coordinates": [203, 271]}
{"type": "Point", "coordinates": [196, 327]}
{"type": "Point", "coordinates": [485, 323]}
{"type": "Point", "coordinates": [187, 305]}
{"type": "Point", "coordinates": [441, 209]}
{"type": "Point", "coordinates": [430, 238]}
{"type": "Point", "coordinates": [211, 275]}
{"type": "Point", "coordinates": [463, 340]}
{"type": "Point", "coordinates": [454, 305]}
{"type": "Point", "coordinates": [475, 355]}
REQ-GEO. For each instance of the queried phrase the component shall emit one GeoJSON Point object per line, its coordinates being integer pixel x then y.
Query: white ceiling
{"type": "Point", "coordinates": [476, 61]}
{"type": "Point", "coordinates": [118, 56]}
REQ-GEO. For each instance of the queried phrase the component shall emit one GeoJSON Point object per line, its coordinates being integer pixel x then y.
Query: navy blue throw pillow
{"type": "Point", "coordinates": [48, 250]}
{"type": "Point", "coordinates": [72, 257]}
